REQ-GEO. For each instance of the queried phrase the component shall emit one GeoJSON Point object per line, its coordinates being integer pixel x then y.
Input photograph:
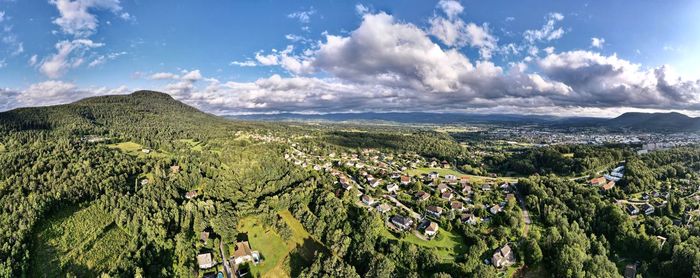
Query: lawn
{"type": "Point", "coordinates": [273, 248]}
{"type": "Point", "coordinates": [2, 147]}
{"type": "Point", "coordinates": [458, 174]}
{"type": "Point", "coordinates": [447, 245]}
{"type": "Point", "coordinates": [135, 149]}
{"type": "Point", "coordinates": [77, 241]}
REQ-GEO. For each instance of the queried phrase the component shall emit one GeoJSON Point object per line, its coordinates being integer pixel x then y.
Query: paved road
{"type": "Point", "coordinates": [526, 213]}
{"type": "Point", "coordinates": [399, 204]}
{"type": "Point", "coordinates": [227, 267]}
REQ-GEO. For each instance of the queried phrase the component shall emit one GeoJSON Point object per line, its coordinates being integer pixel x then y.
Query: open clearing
{"type": "Point", "coordinates": [77, 241]}
{"type": "Point", "coordinates": [274, 249]}
{"type": "Point", "coordinates": [446, 245]}
{"type": "Point", "coordinates": [135, 149]}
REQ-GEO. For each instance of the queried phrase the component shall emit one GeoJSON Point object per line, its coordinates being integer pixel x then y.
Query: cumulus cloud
{"type": "Point", "coordinates": [295, 64]}
{"type": "Point", "coordinates": [454, 32]}
{"type": "Point", "coordinates": [451, 8]}
{"type": "Point", "coordinates": [76, 17]}
{"type": "Point", "coordinates": [361, 9]}
{"type": "Point", "coordinates": [597, 42]}
{"type": "Point", "coordinates": [33, 60]}
{"type": "Point", "coordinates": [69, 54]}
{"type": "Point", "coordinates": [609, 81]}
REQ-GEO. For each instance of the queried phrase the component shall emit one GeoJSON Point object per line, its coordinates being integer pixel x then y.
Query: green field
{"type": "Point", "coordinates": [77, 241]}
{"type": "Point", "coordinates": [135, 149]}
{"type": "Point", "coordinates": [447, 245]}
{"type": "Point", "coordinates": [273, 248]}
{"type": "Point", "coordinates": [2, 147]}
{"type": "Point", "coordinates": [458, 174]}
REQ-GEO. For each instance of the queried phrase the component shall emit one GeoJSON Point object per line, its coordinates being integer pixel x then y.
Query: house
{"type": "Point", "coordinates": [503, 257]}
{"type": "Point", "coordinates": [191, 194]}
{"type": "Point", "coordinates": [432, 229]}
{"type": "Point", "coordinates": [434, 211]}
{"type": "Point", "coordinates": [392, 187]}
{"type": "Point", "coordinates": [204, 236]}
{"type": "Point", "coordinates": [383, 208]}
{"type": "Point", "coordinates": [647, 209]}
{"type": "Point", "coordinates": [402, 222]}
{"type": "Point", "coordinates": [243, 253]}
{"type": "Point", "coordinates": [466, 189]}
{"type": "Point", "coordinates": [608, 186]}
{"type": "Point", "coordinates": [205, 261]}
{"type": "Point", "coordinates": [468, 218]}
{"type": "Point", "coordinates": [370, 178]}
{"type": "Point", "coordinates": [495, 209]}
{"type": "Point", "coordinates": [422, 196]}
{"type": "Point", "coordinates": [458, 206]}
{"type": "Point", "coordinates": [447, 195]}
{"type": "Point", "coordinates": [445, 164]}
{"type": "Point", "coordinates": [632, 209]}
{"type": "Point", "coordinates": [451, 177]}
{"type": "Point", "coordinates": [433, 175]}
{"type": "Point", "coordinates": [175, 169]}
{"type": "Point", "coordinates": [505, 186]}
{"type": "Point", "coordinates": [599, 181]}
{"type": "Point", "coordinates": [345, 184]}
{"type": "Point", "coordinates": [464, 180]}
{"type": "Point", "coordinates": [144, 181]}
{"type": "Point", "coordinates": [367, 200]}
{"type": "Point", "coordinates": [442, 188]}
{"type": "Point", "coordinates": [375, 183]}
{"type": "Point", "coordinates": [631, 271]}
{"type": "Point", "coordinates": [486, 187]}
{"type": "Point", "coordinates": [146, 151]}
{"type": "Point", "coordinates": [405, 180]}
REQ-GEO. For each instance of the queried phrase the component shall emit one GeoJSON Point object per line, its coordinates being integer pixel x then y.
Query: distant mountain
{"type": "Point", "coordinates": [420, 118]}
{"type": "Point", "coordinates": [672, 122]}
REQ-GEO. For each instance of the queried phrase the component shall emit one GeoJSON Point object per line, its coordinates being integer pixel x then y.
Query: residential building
{"type": "Point", "coordinates": [205, 261]}
{"type": "Point", "coordinates": [402, 222]}
{"type": "Point", "coordinates": [243, 253]}
{"type": "Point", "coordinates": [432, 229]}
{"type": "Point", "coordinates": [503, 257]}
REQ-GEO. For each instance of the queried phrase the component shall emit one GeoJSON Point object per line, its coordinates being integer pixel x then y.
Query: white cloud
{"type": "Point", "coordinates": [295, 64]}
{"type": "Point", "coordinates": [104, 58]}
{"type": "Point", "coordinates": [304, 16]}
{"type": "Point", "coordinates": [548, 32]}
{"type": "Point", "coordinates": [191, 75]}
{"type": "Point", "coordinates": [597, 42]}
{"type": "Point", "coordinates": [361, 9]}
{"type": "Point", "coordinates": [451, 8]}
{"type": "Point", "coordinates": [33, 60]}
{"type": "Point", "coordinates": [2, 16]}
{"type": "Point", "coordinates": [76, 17]}
{"type": "Point", "coordinates": [164, 75]}
{"type": "Point", "coordinates": [454, 32]}
{"type": "Point", "coordinates": [69, 54]}
{"type": "Point", "coordinates": [246, 63]}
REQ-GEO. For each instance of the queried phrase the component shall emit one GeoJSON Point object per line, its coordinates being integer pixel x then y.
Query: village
{"type": "Point", "coordinates": [417, 196]}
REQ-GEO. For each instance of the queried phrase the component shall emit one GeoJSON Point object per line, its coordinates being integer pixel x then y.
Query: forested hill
{"type": "Point", "coordinates": [144, 114]}
{"type": "Point", "coordinates": [655, 122]}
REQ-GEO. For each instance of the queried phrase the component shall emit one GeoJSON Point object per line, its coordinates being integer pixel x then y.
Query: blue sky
{"type": "Point", "coordinates": [558, 57]}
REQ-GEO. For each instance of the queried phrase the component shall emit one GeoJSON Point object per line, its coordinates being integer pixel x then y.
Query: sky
{"type": "Point", "coordinates": [596, 58]}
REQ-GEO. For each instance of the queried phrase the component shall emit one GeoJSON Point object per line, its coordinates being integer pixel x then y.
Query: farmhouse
{"type": "Point", "coordinates": [599, 181]}
{"type": "Point", "coordinates": [447, 195]}
{"type": "Point", "coordinates": [405, 180]}
{"type": "Point", "coordinates": [458, 206]}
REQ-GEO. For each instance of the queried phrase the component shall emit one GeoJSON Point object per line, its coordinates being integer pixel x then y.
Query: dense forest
{"type": "Point", "coordinates": [125, 186]}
